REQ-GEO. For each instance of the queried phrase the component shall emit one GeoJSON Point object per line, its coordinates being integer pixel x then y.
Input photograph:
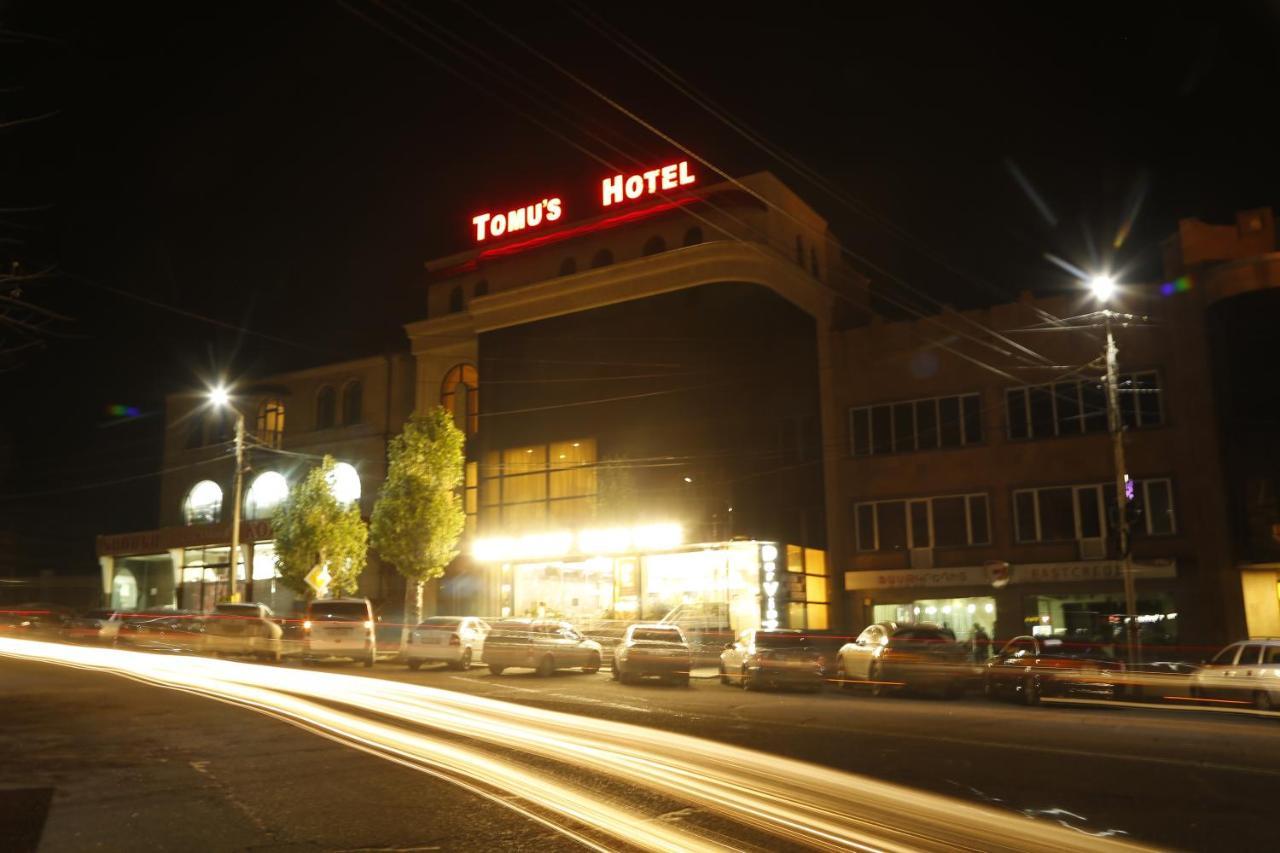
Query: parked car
{"type": "Point", "coordinates": [171, 631]}
{"type": "Point", "coordinates": [1247, 671]}
{"type": "Point", "coordinates": [14, 623]}
{"type": "Point", "coordinates": [888, 657]}
{"type": "Point", "coordinates": [340, 628]}
{"type": "Point", "coordinates": [455, 640]}
{"type": "Point", "coordinates": [778, 658]}
{"type": "Point", "coordinates": [93, 626]}
{"type": "Point", "coordinates": [541, 645]}
{"type": "Point", "coordinates": [652, 650]}
{"type": "Point", "coordinates": [243, 629]}
{"type": "Point", "coordinates": [1028, 668]}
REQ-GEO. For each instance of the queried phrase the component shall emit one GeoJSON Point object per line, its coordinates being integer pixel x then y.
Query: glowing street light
{"type": "Point", "coordinates": [220, 397]}
{"type": "Point", "coordinates": [1102, 286]}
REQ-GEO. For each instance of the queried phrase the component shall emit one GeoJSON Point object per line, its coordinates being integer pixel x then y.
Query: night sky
{"type": "Point", "coordinates": [267, 178]}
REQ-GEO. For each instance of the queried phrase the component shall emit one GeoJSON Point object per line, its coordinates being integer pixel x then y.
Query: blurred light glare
{"type": "Point", "coordinates": [344, 483]}
{"type": "Point", "coordinates": [219, 395]}
{"type": "Point", "coordinates": [1102, 286]}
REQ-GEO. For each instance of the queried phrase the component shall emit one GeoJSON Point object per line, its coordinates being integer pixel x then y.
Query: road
{"type": "Point", "coordinates": [1191, 779]}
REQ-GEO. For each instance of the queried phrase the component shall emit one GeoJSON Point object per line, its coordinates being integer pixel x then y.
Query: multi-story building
{"type": "Point", "coordinates": [347, 410]}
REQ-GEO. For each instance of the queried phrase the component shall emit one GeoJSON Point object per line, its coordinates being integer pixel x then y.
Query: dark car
{"type": "Point", "coordinates": [92, 626]}
{"type": "Point", "coordinates": [778, 658]}
{"type": "Point", "coordinates": [1029, 668]}
{"type": "Point", "coordinates": [652, 650]}
{"type": "Point", "coordinates": [909, 657]}
{"type": "Point", "coordinates": [174, 631]}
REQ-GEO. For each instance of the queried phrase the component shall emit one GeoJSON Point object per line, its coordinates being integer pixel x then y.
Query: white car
{"type": "Point", "coordinates": [1247, 672]}
{"type": "Point", "coordinates": [340, 628]}
{"type": "Point", "coordinates": [243, 628]}
{"type": "Point", "coordinates": [455, 640]}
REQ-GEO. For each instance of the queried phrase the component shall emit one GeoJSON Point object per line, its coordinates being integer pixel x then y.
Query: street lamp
{"type": "Point", "coordinates": [220, 397]}
{"type": "Point", "coordinates": [1103, 288]}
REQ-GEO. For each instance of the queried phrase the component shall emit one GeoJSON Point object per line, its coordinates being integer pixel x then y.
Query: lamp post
{"type": "Point", "coordinates": [1103, 287]}
{"type": "Point", "coordinates": [221, 398]}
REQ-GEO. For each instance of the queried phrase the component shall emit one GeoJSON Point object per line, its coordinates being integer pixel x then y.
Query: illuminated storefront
{"type": "Point", "coordinates": [648, 573]}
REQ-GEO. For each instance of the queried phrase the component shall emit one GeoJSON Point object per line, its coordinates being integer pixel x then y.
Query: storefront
{"type": "Point", "coordinates": [1081, 600]}
{"type": "Point", "coordinates": [647, 573]}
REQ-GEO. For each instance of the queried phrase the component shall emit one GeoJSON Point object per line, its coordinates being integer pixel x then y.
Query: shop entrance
{"type": "Point", "coordinates": [963, 616]}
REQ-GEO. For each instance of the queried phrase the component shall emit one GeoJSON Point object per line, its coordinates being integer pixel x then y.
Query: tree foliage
{"type": "Point", "coordinates": [419, 517]}
{"type": "Point", "coordinates": [312, 528]}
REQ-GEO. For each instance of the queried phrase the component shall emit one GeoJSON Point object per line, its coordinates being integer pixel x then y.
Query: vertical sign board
{"type": "Point", "coordinates": [773, 592]}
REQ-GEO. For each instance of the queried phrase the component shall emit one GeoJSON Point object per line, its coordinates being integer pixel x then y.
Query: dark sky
{"type": "Point", "coordinates": [287, 167]}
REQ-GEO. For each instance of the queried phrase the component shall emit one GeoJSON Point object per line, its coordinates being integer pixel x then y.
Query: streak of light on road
{"type": "Point", "coordinates": [802, 803]}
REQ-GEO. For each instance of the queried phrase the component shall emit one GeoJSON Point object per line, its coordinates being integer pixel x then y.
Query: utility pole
{"type": "Point", "coordinates": [1115, 424]}
{"type": "Point", "coordinates": [235, 506]}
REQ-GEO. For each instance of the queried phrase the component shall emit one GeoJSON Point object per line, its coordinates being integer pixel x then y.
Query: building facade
{"type": "Point", "coordinates": [347, 410]}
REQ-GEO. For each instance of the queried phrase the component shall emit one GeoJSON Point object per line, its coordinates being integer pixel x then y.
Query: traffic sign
{"type": "Point", "coordinates": [318, 578]}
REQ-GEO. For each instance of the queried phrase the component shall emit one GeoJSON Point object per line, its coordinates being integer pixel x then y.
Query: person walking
{"type": "Point", "coordinates": [981, 644]}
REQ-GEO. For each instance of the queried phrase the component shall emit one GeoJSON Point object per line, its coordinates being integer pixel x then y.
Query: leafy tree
{"type": "Point", "coordinates": [312, 528]}
{"type": "Point", "coordinates": [419, 517]}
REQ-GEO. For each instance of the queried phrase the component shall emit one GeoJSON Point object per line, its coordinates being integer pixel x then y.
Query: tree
{"type": "Point", "coordinates": [312, 528]}
{"type": "Point", "coordinates": [418, 518]}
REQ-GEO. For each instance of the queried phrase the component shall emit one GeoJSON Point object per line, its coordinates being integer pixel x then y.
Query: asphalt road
{"type": "Point", "coordinates": [138, 764]}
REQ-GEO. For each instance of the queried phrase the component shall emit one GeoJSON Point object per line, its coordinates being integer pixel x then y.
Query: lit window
{"type": "Point", "coordinates": [344, 483]}
{"type": "Point", "coordinates": [203, 504]}
{"type": "Point", "coordinates": [352, 402]}
{"type": "Point", "coordinates": [460, 395]}
{"type": "Point", "coordinates": [326, 407]}
{"type": "Point", "coordinates": [271, 423]}
{"type": "Point", "coordinates": [269, 489]}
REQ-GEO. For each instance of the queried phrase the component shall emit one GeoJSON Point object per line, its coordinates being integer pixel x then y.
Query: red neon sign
{"type": "Point", "coordinates": [671, 177]}
{"type": "Point", "coordinates": [529, 216]}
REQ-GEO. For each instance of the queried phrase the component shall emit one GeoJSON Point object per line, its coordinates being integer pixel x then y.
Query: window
{"type": "Point", "coordinates": [568, 266]}
{"type": "Point", "coordinates": [481, 288]}
{"type": "Point", "coordinates": [352, 402]}
{"type": "Point", "coordinates": [950, 521]}
{"type": "Point", "coordinates": [693, 236]}
{"type": "Point", "coordinates": [203, 504]}
{"type": "Point", "coordinates": [268, 490]}
{"type": "Point", "coordinates": [916, 425]}
{"type": "Point", "coordinates": [456, 300]}
{"type": "Point", "coordinates": [271, 423]}
{"type": "Point", "coordinates": [533, 487]}
{"type": "Point", "coordinates": [602, 258]}
{"type": "Point", "coordinates": [1063, 513]}
{"type": "Point", "coordinates": [460, 395]}
{"type": "Point", "coordinates": [1251, 654]}
{"type": "Point", "coordinates": [326, 407]}
{"type": "Point", "coordinates": [1077, 407]}
{"type": "Point", "coordinates": [195, 435]}
{"type": "Point", "coordinates": [344, 483]}
{"type": "Point", "coordinates": [654, 245]}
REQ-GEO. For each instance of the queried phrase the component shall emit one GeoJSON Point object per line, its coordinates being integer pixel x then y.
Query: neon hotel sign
{"type": "Point", "coordinates": [613, 191]}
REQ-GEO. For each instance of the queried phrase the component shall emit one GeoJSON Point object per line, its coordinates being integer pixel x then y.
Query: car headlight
{"type": "Point", "coordinates": [306, 626]}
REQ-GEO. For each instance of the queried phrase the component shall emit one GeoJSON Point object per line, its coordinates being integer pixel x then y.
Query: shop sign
{"type": "Point", "coordinates": [193, 536]}
{"type": "Point", "coordinates": [1023, 573]}
{"type": "Point", "coordinates": [613, 190]}
{"type": "Point", "coordinates": [904, 578]}
{"type": "Point", "coordinates": [771, 593]}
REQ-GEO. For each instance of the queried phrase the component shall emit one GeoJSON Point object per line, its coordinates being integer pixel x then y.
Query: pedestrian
{"type": "Point", "coordinates": [981, 643]}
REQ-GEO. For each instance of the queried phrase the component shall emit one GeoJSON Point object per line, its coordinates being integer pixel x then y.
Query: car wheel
{"type": "Point", "coordinates": [724, 676]}
{"type": "Point", "coordinates": [368, 662]}
{"type": "Point", "coordinates": [494, 669]}
{"type": "Point", "coordinates": [954, 690]}
{"type": "Point", "coordinates": [842, 677]}
{"type": "Point", "coordinates": [546, 667]}
{"type": "Point", "coordinates": [877, 688]}
{"type": "Point", "coordinates": [464, 662]}
{"type": "Point", "coordinates": [1262, 701]}
{"type": "Point", "coordinates": [415, 664]}
{"type": "Point", "coordinates": [1031, 690]}
{"type": "Point", "coordinates": [592, 665]}
{"type": "Point", "coordinates": [989, 688]}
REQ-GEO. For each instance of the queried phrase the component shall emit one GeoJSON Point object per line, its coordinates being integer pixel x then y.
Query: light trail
{"type": "Point", "coordinates": [802, 803]}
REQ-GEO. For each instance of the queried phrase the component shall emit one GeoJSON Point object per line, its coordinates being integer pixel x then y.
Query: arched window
{"type": "Point", "coordinates": [271, 423]}
{"type": "Point", "coordinates": [269, 489]}
{"type": "Point", "coordinates": [456, 300]}
{"type": "Point", "coordinates": [813, 261]}
{"type": "Point", "coordinates": [693, 236]}
{"type": "Point", "coordinates": [344, 483]}
{"type": "Point", "coordinates": [326, 407]}
{"type": "Point", "coordinates": [203, 504]}
{"type": "Point", "coordinates": [602, 258]}
{"type": "Point", "coordinates": [799, 250]}
{"type": "Point", "coordinates": [460, 395]}
{"type": "Point", "coordinates": [352, 402]}
{"type": "Point", "coordinates": [654, 245]}
{"type": "Point", "coordinates": [568, 266]}
{"type": "Point", "coordinates": [482, 288]}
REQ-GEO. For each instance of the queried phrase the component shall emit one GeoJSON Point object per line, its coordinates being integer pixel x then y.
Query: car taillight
{"type": "Point", "coordinates": [455, 640]}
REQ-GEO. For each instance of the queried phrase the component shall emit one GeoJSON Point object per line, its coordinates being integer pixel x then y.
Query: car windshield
{"type": "Point", "coordinates": [440, 622]}
{"type": "Point", "coordinates": [339, 611]}
{"type": "Point", "coordinates": [657, 635]}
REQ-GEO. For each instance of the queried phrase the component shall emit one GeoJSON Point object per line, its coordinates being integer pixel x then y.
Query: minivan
{"type": "Point", "coordinates": [340, 628]}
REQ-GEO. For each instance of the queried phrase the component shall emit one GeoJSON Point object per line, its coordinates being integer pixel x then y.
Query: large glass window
{"type": "Point", "coordinates": [203, 504]}
{"type": "Point", "coordinates": [1073, 408]}
{"type": "Point", "coordinates": [344, 482]}
{"type": "Point", "coordinates": [923, 424]}
{"type": "Point", "coordinates": [266, 493]}
{"type": "Point", "coordinates": [1061, 513]}
{"type": "Point", "coordinates": [935, 522]}
{"type": "Point", "coordinates": [535, 486]}
{"type": "Point", "coordinates": [460, 395]}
